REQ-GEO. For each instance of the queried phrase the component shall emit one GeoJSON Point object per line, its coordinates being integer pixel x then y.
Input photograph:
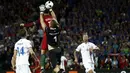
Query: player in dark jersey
{"type": "Point", "coordinates": [53, 32]}
{"type": "Point", "coordinates": [53, 45]}
{"type": "Point", "coordinates": [52, 35]}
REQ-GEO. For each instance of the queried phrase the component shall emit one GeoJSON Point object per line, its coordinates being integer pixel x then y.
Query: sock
{"type": "Point", "coordinates": [42, 60]}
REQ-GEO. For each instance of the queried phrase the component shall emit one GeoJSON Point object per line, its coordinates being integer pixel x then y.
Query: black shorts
{"type": "Point", "coordinates": [55, 57]}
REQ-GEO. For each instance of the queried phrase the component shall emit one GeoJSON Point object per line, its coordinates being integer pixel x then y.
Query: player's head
{"type": "Point", "coordinates": [85, 37]}
{"type": "Point", "coordinates": [22, 33]}
{"type": "Point", "coordinates": [53, 23]}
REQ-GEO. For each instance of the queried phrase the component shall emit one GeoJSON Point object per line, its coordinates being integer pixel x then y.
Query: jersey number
{"type": "Point", "coordinates": [55, 38]}
{"type": "Point", "coordinates": [20, 51]}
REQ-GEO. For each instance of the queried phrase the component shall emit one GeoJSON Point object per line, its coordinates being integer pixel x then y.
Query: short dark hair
{"type": "Point", "coordinates": [54, 23]}
{"type": "Point", "coordinates": [22, 33]}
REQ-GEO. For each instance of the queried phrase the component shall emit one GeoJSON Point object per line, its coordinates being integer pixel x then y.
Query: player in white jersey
{"type": "Point", "coordinates": [22, 50]}
{"type": "Point", "coordinates": [86, 49]}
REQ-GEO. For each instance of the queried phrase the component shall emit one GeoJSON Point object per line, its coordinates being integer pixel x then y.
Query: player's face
{"type": "Point", "coordinates": [85, 38]}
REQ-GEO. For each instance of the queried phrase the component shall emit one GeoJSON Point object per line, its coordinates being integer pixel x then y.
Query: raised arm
{"type": "Point", "coordinates": [42, 9]}
{"type": "Point", "coordinates": [53, 13]}
{"type": "Point", "coordinates": [43, 25]}
{"type": "Point", "coordinates": [54, 17]}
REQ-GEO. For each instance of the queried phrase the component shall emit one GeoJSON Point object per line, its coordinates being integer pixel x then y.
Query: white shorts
{"type": "Point", "coordinates": [88, 67]}
{"type": "Point", "coordinates": [23, 69]}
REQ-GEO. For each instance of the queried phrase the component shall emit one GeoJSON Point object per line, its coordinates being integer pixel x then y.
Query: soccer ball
{"type": "Point", "coordinates": [49, 4]}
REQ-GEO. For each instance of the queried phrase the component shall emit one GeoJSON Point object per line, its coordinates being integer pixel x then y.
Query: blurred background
{"type": "Point", "coordinates": [106, 21]}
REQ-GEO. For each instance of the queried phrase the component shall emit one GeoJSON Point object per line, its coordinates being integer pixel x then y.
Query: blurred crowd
{"type": "Point", "coordinates": [106, 21]}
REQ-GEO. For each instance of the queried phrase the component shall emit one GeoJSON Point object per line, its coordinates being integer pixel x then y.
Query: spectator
{"type": "Point", "coordinates": [114, 63]}
{"type": "Point", "coordinates": [40, 33]}
{"type": "Point", "coordinates": [115, 46]}
{"type": "Point", "coordinates": [108, 62]}
{"type": "Point", "coordinates": [102, 64]}
{"type": "Point", "coordinates": [123, 62]}
{"type": "Point", "coordinates": [107, 22]}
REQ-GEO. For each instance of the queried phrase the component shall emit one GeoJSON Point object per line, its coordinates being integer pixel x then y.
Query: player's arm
{"type": "Point", "coordinates": [52, 13]}
{"type": "Point", "coordinates": [42, 21]}
{"type": "Point", "coordinates": [75, 56]}
{"type": "Point", "coordinates": [13, 61]}
{"type": "Point", "coordinates": [35, 58]}
{"type": "Point", "coordinates": [42, 9]}
{"type": "Point", "coordinates": [75, 53]}
{"type": "Point", "coordinates": [94, 47]}
{"type": "Point", "coordinates": [54, 16]}
{"type": "Point", "coordinates": [29, 24]}
{"type": "Point", "coordinates": [33, 54]}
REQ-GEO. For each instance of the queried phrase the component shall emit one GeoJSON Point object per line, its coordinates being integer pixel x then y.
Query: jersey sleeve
{"type": "Point", "coordinates": [78, 48]}
{"type": "Point", "coordinates": [94, 46]}
{"type": "Point", "coordinates": [29, 44]}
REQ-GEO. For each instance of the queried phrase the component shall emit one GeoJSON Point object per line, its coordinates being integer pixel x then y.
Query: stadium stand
{"type": "Point", "coordinates": [106, 21]}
